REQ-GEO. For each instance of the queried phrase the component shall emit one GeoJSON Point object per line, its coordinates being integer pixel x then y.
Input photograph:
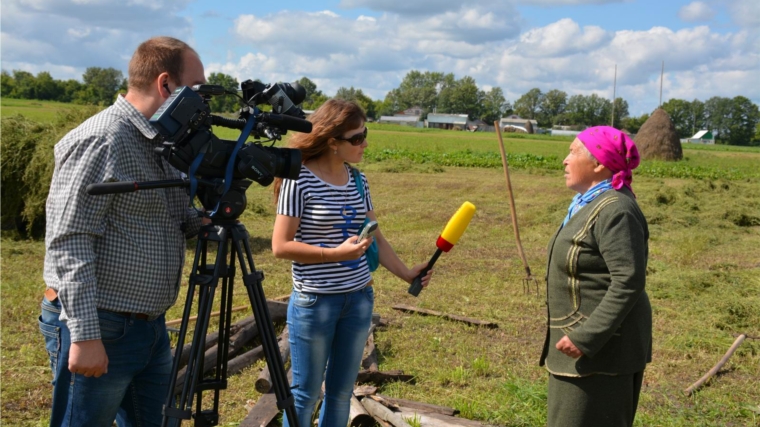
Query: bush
{"type": "Point", "coordinates": [27, 167]}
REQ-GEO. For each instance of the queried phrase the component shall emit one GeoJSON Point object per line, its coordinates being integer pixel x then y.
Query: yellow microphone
{"type": "Point", "coordinates": [448, 238]}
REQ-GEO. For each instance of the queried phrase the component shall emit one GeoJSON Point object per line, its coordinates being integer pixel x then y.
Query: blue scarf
{"type": "Point", "coordinates": [581, 200]}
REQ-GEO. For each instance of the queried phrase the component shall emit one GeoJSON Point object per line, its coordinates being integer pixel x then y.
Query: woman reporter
{"type": "Point", "coordinates": [599, 334]}
{"type": "Point", "coordinates": [318, 217]}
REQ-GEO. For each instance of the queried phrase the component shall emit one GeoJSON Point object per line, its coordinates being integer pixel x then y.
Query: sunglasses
{"type": "Point", "coordinates": [357, 139]}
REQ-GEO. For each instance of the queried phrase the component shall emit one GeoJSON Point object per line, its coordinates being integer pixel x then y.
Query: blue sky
{"type": "Point", "coordinates": [710, 47]}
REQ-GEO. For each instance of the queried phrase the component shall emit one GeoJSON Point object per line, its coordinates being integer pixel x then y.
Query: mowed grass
{"type": "Point", "coordinates": [704, 282]}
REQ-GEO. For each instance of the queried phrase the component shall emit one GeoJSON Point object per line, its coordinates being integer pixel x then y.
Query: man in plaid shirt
{"type": "Point", "coordinates": [114, 262]}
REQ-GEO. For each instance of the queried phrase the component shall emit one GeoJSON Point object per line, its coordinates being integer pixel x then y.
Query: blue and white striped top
{"type": "Point", "coordinates": [329, 214]}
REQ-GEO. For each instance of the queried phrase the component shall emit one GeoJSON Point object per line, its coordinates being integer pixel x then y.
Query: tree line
{"type": "Point", "coordinates": [733, 121]}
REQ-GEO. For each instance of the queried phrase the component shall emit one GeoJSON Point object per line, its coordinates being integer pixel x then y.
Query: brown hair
{"type": "Point", "coordinates": [155, 56]}
{"type": "Point", "coordinates": [331, 120]}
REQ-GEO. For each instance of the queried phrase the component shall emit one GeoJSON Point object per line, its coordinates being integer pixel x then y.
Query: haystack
{"type": "Point", "coordinates": [657, 138]}
{"type": "Point", "coordinates": [529, 127]}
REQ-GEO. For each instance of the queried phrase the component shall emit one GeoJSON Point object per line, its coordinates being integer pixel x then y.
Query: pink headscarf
{"type": "Point", "coordinates": [615, 150]}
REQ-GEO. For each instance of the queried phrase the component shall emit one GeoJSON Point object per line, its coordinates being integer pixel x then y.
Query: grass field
{"type": "Point", "coordinates": [703, 280]}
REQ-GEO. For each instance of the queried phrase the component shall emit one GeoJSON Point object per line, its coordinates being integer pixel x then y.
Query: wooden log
{"type": "Point", "coordinates": [214, 314]}
{"type": "Point", "coordinates": [429, 419]}
{"type": "Point", "coordinates": [468, 320]}
{"type": "Point", "coordinates": [211, 340]}
{"type": "Point", "coordinates": [369, 361]}
{"type": "Point", "coordinates": [420, 406]}
{"type": "Point", "coordinates": [364, 390]}
{"type": "Point", "coordinates": [380, 412]}
{"type": "Point", "coordinates": [265, 409]}
{"type": "Point", "coordinates": [238, 363]}
{"type": "Point", "coordinates": [379, 378]}
{"type": "Point", "coordinates": [700, 382]}
{"type": "Point", "coordinates": [358, 416]}
{"type": "Point", "coordinates": [264, 381]}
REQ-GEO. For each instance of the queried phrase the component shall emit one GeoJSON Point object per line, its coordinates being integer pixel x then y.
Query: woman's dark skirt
{"type": "Point", "coordinates": [593, 401]}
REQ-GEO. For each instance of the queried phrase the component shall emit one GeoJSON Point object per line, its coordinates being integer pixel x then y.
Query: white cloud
{"type": "Point", "coordinates": [39, 35]}
{"type": "Point", "coordinates": [697, 11]}
{"type": "Point", "coordinates": [562, 38]}
{"type": "Point", "coordinates": [746, 13]}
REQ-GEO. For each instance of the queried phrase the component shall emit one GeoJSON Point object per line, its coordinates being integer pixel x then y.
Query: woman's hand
{"type": "Point", "coordinates": [348, 250]}
{"type": "Point", "coordinates": [416, 270]}
{"type": "Point", "coordinates": [568, 348]}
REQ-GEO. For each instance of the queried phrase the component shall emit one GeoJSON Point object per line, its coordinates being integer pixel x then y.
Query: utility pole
{"type": "Point", "coordinates": [614, 84]}
{"type": "Point", "coordinates": [662, 72]}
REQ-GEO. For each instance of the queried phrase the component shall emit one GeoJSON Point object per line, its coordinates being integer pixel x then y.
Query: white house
{"type": "Point", "coordinates": [701, 137]}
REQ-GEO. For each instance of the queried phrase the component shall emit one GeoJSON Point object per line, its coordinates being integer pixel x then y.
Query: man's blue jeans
{"type": "Point", "coordinates": [139, 369]}
{"type": "Point", "coordinates": [327, 337]}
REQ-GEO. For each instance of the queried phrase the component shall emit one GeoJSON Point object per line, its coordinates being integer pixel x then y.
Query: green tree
{"type": "Point", "coordinates": [718, 117]}
{"type": "Point", "coordinates": [419, 89]}
{"type": "Point", "coordinates": [356, 95]}
{"type": "Point", "coordinates": [102, 84]}
{"type": "Point", "coordinates": [7, 83]}
{"type": "Point", "coordinates": [552, 106]}
{"type": "Point", "coordinates": [24, 85]}
{"type": "Point", "coordinates": [493, 105]}
{"type": "Point", "coordinates": [46, 88]}
{"type": "Point", "coordinates": [620, 112]}
{"type": "Point", "coordinates": [599, 110]}
{"type": "Point", "coordinates": [633, 124]}
{"type": "Point", "coordinates": [744, 118]}
{"type": "Point", "coordinates": [528, 105]}
{"type": "Point", "coordinates": [575, 111]}
{"type": "Point", "coordinates": [681, 116]}
{"type": "Point", "coordinates": [697, 115]}
{"type": "Point", "coordinates": [225, 103]}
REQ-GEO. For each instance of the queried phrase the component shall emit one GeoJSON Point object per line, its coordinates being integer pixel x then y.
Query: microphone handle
{"type": "Point", "coordinates": [416, 285]}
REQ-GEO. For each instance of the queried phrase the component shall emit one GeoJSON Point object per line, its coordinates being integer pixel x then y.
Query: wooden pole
{"type": "Point", "coordinates": [512, 208]}
{"type": "Point", "coordinates": [694, 387]}
{"type": "Point", "coordinates": [614, 86]}
{"type": "Point", "coordinates": [662, 73]}
{"type": "Point", "coordinates": [214, 314]}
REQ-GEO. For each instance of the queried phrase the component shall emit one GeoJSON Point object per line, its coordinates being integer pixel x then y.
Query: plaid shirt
{"type": "Point", "coordinates": [118, 252]}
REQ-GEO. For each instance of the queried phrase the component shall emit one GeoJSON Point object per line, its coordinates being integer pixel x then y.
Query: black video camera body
{"type": "Point", "coordinates": [184, 121]}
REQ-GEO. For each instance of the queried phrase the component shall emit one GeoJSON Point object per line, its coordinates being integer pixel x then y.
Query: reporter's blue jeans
{"type": "Point", "coordinates": [327, 337]}
{"type": "Point", "coordinates": [133, 391]}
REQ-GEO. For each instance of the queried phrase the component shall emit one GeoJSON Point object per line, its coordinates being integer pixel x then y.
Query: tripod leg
{"type": "Point", "coordinates": [206, 284]}
{"type": "Point", "coordinates": [252, 280]}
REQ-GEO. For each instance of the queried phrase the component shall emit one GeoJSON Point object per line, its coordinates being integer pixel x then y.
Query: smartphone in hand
{"type": "Point", "coordinates": [367, 231]}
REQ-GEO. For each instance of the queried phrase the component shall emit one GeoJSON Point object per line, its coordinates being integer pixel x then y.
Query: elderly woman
{"type": "Point", "coordinates": [599, 335]}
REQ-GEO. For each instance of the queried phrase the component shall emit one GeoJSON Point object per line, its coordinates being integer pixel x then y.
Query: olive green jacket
{"type": "Point", "coordinates": [595, 277]}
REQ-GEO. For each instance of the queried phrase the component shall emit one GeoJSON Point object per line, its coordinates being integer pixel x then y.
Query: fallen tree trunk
{"type": "Point", "coordinates": [265, 409]}
{"type": "Point", "coordinates": [380, 412]}
{"type": "Point", "coordinates": [419, 406]}
{"type": "Point", "coordinates": [358, 416]}
{"type": "Point", "coordinates": [694, 387]}
{"type": "Point", "coordinates": [264, 382]}
{"type": "Point", "coordinates": [237, 364]}
{"type": "Point", "coordinates": [369, 361]}
{"type": "Point", "coordinates": [379, 378]}
{"type": "Point", "coordinates": [426, 312]}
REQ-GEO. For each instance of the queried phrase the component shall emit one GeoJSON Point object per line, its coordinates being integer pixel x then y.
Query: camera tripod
{"type": "Point", "coordinates": [231, 239]}
{"type": "Point", "coordinates": [232, 242]}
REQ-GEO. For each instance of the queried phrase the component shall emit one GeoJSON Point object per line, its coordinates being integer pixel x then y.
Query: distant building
{"type": "Point", "coordinates": [447, 121]}
{"type": "Point", "coordinates": [701, 137]}
{"type": "Point", "coordinates": [404, 120]}
{"type": "Point", "coordinates": [564, 132]}
{"type": "Point", "coordinates": [516, 121]}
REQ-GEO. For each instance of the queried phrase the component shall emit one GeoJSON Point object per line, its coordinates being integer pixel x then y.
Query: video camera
{"type": "Point", "coordinates": [185, 120]}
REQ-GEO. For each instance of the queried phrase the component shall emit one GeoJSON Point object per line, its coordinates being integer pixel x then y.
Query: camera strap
{"type": "Point", "coordinates": [230, 165]}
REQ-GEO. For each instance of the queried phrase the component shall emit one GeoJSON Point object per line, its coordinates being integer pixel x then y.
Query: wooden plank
{"type": "Point", "coordinates": [426, 312]}
{"type": "Point", "coordinates": [264, 382]}
{"type": "Point", "coordinates": [358, 416]}
{"type": "Point", "coordinates": [429, 419]}
{"type": "Point", "coordinates": [379, 378]}
{"type": "Point", "coordinates": [420, 406]}
{"type": "Point", "coordinates": [265, 409]}
{"type": "Point", "coordinates": [380, 412]}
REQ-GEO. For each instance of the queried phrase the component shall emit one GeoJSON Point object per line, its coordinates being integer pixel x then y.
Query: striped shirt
{"type": "Point", "coordinates": [118, 252]}
{"type": "Point", "coordinates": [329, 215]}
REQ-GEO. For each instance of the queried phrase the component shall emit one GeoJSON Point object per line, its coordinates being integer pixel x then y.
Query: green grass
{"type": "Point", "coordinates": [703, 280]}
{"type": "Point", "coordinates": [42, 111]}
